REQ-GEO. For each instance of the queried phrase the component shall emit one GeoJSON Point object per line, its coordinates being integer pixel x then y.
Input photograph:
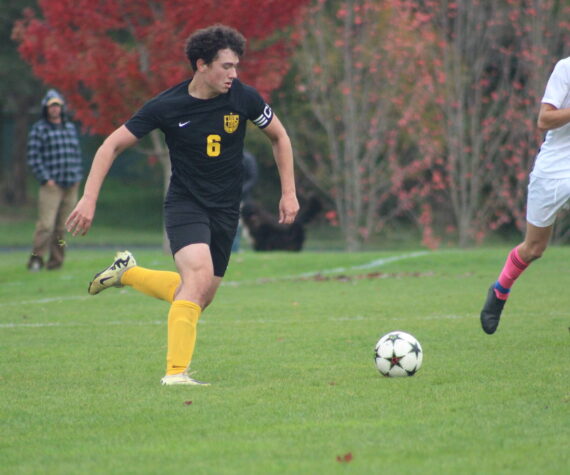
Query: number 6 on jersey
{"type": "Point", "coordinates": [213, 146]}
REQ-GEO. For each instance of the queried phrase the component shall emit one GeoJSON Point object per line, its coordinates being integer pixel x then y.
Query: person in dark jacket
{"type": "Point", "coordinates": [54, 156]}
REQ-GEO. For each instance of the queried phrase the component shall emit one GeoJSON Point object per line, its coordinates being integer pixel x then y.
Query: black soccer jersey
{"type": "Point", "coordinates": [205, 138]}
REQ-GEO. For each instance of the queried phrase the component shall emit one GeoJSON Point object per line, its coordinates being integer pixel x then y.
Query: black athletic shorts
{"type": "Point", "coordinates": [188, 222]}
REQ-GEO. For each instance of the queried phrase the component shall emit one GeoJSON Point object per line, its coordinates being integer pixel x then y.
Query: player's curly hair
{"type": "Point", "coordinates": [205, 43]}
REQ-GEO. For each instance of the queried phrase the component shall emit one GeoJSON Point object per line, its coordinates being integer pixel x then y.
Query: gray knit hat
{"type": "Point", "coordinates": [52, 97]}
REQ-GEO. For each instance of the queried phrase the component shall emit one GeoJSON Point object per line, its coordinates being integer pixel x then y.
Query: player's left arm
{"type": "Point", "coordinates": [283, 154]}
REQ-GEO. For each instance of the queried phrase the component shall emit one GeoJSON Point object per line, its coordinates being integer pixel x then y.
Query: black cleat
{"type": "Point", "coordinates": [491, 313]}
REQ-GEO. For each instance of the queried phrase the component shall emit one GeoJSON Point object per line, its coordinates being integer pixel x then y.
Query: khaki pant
{"type": "Point", "coordinates": [54, 206]}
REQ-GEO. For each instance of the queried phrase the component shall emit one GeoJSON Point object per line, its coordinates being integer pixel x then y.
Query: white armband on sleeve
{"type": "Point", "coordinates": [265, 118]}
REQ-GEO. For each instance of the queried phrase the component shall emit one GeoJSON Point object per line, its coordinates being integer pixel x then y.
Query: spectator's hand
{"type": "Point", "coordinates": [80, 219]}
{"type": "Point", "coordinates": [288, 208]}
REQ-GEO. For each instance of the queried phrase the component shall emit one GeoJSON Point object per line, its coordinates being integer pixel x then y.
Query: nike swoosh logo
{"type": "Point", "coordinates": [183, 124]}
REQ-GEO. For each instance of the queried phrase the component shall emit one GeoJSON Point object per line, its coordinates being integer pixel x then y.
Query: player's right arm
{"type": "Point", "coordinates": [549, 117]}
{"type": "Point", "coordinates": [552, 113]}
{"type": "Point", "coordinates": [81, 218]}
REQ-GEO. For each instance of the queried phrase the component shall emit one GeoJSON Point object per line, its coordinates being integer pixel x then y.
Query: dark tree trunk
{"type": "Point", "coordinates": [14, 187]}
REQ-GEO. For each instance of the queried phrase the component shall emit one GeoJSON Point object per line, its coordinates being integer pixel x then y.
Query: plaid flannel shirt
{"type": "Point", "coordinates": [54, 153]}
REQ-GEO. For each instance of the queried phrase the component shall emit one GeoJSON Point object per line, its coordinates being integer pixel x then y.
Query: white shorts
{"type": "Point", "coordinates": [545, 198]}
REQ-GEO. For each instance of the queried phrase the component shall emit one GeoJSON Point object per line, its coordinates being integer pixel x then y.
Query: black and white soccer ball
{"type": "Point", "coordinates": [398, 354]}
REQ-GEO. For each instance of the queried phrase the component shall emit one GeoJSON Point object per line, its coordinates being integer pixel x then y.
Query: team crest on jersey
{"type": "Point", "coordinates": [231, 123]}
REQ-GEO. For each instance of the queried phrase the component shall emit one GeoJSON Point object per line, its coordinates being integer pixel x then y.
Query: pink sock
{"type": "Point", "coordinates": [514, 266]}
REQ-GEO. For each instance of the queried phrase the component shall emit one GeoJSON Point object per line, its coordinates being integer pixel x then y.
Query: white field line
{"type": "Point", "coordinates": [337, 270]}
{"type": "Point", "coordinates": [80, 324]}
{"type": "Point", "coordinates": [46, 300]}
{"type": "Point", "coordinates": [369, 265]}
{"type": "Point", "coordinates": [262, 321]}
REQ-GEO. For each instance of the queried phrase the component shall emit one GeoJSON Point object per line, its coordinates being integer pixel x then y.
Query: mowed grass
{"type": "Point", "coordinates": [289, 355]}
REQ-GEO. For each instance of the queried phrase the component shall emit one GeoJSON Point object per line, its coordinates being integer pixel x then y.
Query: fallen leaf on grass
{"type": "Point", "coordinates": [344, 458]}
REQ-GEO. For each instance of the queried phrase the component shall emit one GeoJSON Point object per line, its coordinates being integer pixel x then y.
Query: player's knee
{"type": "Point", "coordinates": [535, 251]}
{"type": "Point", "coordinates": [196, 288]}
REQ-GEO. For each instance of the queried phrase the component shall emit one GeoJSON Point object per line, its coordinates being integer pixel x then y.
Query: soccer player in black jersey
{"type": "Point", "coordinates": [204, 122]}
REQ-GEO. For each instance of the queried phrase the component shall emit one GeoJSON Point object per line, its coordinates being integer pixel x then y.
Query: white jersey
{"type": "Point", "coordinates": [553, 160]}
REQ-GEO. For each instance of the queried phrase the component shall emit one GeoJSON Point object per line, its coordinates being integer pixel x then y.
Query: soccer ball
{"type": "Point", "coordinates": [398, 354]}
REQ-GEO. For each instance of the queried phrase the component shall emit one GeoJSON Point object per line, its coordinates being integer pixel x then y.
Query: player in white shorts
{"type": "Point", "coordinates": [548, 191]}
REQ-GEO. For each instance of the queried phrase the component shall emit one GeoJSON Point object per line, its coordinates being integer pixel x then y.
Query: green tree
{"type": "Point", "coordinates": [20, 95]}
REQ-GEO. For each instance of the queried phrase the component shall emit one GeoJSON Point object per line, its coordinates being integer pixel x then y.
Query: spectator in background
{"type": "Point", "coordinates": [250, 176]}
{"type": "Point", "coordinates": [54, 156]}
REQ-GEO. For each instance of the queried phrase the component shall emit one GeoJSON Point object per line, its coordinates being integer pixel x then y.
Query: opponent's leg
{"type": "Point", "coordinates": [536, 241]}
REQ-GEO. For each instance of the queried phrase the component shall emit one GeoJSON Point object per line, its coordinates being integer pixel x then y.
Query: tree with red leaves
{"type": "Point", "coordinates": [109, 56]}
{"type": "Point", "coordinates": [492, 63]}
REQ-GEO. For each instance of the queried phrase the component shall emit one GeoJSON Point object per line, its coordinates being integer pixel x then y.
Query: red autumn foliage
{"type": "Point", "coordinates": [426, 111]}
{"type": "Point", "coordinates": [370, 100]}
{"type": "Point", "coordinates": [492, 61]}
{"type": "Point", "coordinates": [109, 56]}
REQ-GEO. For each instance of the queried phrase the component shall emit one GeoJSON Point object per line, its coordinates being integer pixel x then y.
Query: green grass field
{"type": "Point", "coordinates": [289, 355]}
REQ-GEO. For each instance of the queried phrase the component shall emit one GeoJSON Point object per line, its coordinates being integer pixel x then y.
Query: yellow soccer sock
{"type": "Point", "coordinates": [182, 320]}
{"type": "Point", "coordinates": [155, 283]}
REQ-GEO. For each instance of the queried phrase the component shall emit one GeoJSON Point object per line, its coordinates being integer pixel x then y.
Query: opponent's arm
{"type": "Point", "coordinates": [80, 219]}
{"type": "Point", "coordinates": [283, 154]}
{"type": "Point", "coordinates": [549, 117]}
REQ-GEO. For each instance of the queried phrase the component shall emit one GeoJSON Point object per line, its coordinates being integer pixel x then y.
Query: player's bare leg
{"type": "Point", "coordinates": [535, 242]}
{"type": "Point", "coordinates": [532, 248]}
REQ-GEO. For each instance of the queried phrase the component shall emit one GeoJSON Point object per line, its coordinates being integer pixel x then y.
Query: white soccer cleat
{"type": "Point", "coordinates": [111, 276]}
{"type": "Point", "coordinates": [181, 379]}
